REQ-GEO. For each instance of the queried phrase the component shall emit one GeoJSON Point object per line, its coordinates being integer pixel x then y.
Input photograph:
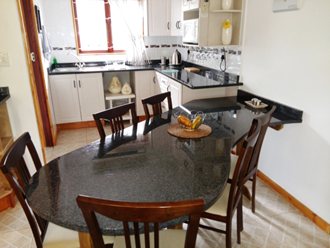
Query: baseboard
{"type": "Point", "coordinates": [75, 125]}
{"type": "Point", "coordinates": [321, 223]}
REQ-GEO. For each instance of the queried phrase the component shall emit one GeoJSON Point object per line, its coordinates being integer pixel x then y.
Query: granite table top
{"type": "Point", "coordinates": [144, 164]}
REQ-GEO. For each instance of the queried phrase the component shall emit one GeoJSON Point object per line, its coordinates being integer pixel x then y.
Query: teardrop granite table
{"type": "Point", "coordinates": [143, 164]}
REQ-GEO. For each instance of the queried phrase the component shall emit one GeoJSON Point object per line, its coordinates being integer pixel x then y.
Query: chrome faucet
{"type": "Point", "coordinates": [80, 64]}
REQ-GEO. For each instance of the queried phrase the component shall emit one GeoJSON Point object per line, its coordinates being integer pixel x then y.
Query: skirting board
{"type": "Point", "coordinates": [321, 223]}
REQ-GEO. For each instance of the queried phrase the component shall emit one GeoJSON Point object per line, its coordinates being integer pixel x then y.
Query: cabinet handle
{"type": "Point", "coordinates": [154, 79]}
{"type": "Point", "coordinates": [79, 83]}
{"type": "Point", "coordinates": [168, 88]}
{"type": "Point", "coordinates": [168, 25]}
{"type": "Point", "coordinates": [74, 83]}
{"type": "Point", "coordinates": [179, 24]}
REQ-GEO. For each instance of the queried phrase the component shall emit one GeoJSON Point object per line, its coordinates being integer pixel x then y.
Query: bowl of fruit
{"type": "Point", "coordinates": [192, 121]}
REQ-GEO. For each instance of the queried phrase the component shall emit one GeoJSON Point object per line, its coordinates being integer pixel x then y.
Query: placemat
{"type": "Point", "coordinates": [177, 131]}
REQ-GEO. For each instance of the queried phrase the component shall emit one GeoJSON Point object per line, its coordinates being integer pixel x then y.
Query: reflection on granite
{"type": "Point", "coordinates": [4, 94]}
{"type": "Point", "coordinates": [143, 164]}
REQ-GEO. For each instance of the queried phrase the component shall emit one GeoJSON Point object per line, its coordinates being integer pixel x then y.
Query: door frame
{"type": "Point", "coordinates": [35, 67]}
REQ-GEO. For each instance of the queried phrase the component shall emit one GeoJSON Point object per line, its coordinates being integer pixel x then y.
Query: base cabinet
{"type": "Point", "coordinates": [144, 87]}
{"type": "Point", "coordinates": [76, 97]}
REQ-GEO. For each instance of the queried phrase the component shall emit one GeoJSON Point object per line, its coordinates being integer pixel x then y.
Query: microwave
{"type": "Point", "coordinates": [190, 31]}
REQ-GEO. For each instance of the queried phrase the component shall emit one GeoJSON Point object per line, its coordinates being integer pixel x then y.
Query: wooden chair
{"type": "Point", "coordinates": [115, 118]}
{"type": "Point", "coordinates": [14, 168]}
{"type": "Point", "coordinates": [265, 120]}
{"type": "Point", "coordinates": [156, 103]}
{"type": "Point", "coordinates": [146, 213]}
{"type": "Point", "coordinates": [231, 199]}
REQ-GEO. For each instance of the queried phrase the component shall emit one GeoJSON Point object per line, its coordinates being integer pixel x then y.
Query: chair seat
{"type": "Point", "coordinates": [220, 206]}
{"type": "Point", "coordinates": [169, 238]}
{"type": "Point", "coordinates": [60, 237]}
{"type": "Point", "coordinates": [233, 161]}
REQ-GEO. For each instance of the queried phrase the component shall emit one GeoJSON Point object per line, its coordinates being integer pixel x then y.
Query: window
{"type": "Point", "coordinates": [101, 27]}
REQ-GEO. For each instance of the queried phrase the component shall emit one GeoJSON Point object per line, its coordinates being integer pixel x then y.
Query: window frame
{"type": "Point", "coordinates": [110, 49]}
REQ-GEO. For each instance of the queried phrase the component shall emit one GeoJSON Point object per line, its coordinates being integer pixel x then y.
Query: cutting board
{"type": "Point", "coordinates": [192, 69]}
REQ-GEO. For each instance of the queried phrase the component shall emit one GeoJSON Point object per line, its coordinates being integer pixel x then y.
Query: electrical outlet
{"type": "Point", "coordinates": [4, 59]}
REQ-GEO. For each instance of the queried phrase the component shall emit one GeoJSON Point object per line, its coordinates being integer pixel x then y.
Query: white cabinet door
{"type": "Point", "coordinates": [176, 17]}
{"type": "Point", "coordinates": [144, 87]}
{"type": "Point", "coordinates": [176, 93]}
{"type": "Point", "coordinates": [159, 17]}
{"type": "Point", "coordinates": [65, 98]}
{"type": "Point", "coordinates": [91, 94]}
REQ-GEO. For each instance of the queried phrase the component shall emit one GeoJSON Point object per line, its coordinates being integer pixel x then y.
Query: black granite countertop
{"type": "Point", "coordinates": [4, 94]}
{"type": "Point", "coordinates": [206, 78]}
{"type": "Point", "coordinates": [145, 164]}
{"type": "Point", "coordinates": [282, 115]}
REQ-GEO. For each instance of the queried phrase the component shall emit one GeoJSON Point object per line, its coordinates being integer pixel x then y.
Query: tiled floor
{"type": "Point", "coordinates": [276, 224]}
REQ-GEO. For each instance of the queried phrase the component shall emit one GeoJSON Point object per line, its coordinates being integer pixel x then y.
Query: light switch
{"type": "Point", "coordinates": [4, 59]}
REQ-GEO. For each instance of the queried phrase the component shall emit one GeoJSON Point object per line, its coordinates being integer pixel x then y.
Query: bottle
{"type": "Point", "coordinates": [227, 30]}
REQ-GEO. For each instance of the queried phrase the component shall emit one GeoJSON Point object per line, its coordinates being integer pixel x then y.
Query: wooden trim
{"type": "Point", "coordinates": [36, 69]}
{"type": "Point", "coordinates": [75, 125]}
{"type": "Point", "coordinates": [321, 223]}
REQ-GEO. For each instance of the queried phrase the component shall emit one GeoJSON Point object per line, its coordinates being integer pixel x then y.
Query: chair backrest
{"type": "Point", "coordinates": [138, 212]}
{"type": "Point", "coordinates": [15, 169]}
{"type": "Point", "coordinates": [115, 118]}
{"type": "Point", "coordinates": [264, 122]}
{"type": "Point", "coordinates": [243, 163]}
{"type": "Point", "coordinates": [156, 103]}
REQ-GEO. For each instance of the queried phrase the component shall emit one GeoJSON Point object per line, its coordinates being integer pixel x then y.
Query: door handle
{"type": "Point", "coordinates": [168, 25]}
{"type": "Point", "coordinates": [79, 83]}
{"type": "Point", "coordinates": [74, 83]}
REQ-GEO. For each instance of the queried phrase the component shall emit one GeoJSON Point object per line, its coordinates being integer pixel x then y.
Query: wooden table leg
{"type": "Point", "coordinates": [85, 240]}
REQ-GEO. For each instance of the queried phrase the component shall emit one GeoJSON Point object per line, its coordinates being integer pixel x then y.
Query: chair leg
{"type": "Point", "coordinates": [239, 221]}
{"type": "Point", "coordinates": [228, 234]}
{"type": "Point", "coordinates": [253, 198]}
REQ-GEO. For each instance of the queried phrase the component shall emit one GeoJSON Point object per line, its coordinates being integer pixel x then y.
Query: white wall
{"type": "Point", "coordinates": [16, 77]}
{"type": "Point", "coordinates": [286, 57]}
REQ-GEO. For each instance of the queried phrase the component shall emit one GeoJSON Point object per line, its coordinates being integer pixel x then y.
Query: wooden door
{"type": "Point", "coordinates": [29, 26]}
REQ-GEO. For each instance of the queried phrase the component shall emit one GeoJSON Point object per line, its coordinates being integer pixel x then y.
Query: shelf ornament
{"type": "Point", "coordinates": [115, 85]}
{"type": "Point", "coordinates": [227, 4]}
{"type": "Point", "coordinates": [227, 31]}
{"type": "Point", "coordinates": [126, 89]}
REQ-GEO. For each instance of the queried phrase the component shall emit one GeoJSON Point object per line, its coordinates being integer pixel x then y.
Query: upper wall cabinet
{"type": "Point", "coordinates": [176, 17]}
{"type": "Point", "coordinates": [159, 15]}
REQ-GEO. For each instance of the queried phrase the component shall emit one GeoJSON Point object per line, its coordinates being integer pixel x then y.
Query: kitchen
{"type": "Point", "coordinates": [276, 49]}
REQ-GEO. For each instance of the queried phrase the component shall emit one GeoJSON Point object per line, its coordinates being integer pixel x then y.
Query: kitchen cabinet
{"type": "Point", "coordinates": [164, 84]}
{"type": "Point", "coordinates": [76, 97]}
{"type": "Point", "coordinates": [144, 82]}
{"type": "Point", "coordinates": [181, 94]}
{"type": "Point", "coordinates": [159, 15]}
{"type": "Point", "coordinates": [176, 17]}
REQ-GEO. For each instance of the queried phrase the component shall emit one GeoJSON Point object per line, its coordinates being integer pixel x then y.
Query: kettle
{"type": "Point", "coordinates": [176, 57]}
